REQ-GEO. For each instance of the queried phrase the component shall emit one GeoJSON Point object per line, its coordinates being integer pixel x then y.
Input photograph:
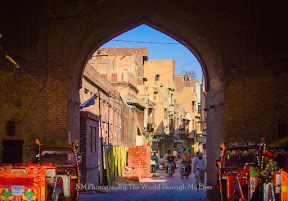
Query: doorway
{"type": "Point", "coordinates": [13, 151]}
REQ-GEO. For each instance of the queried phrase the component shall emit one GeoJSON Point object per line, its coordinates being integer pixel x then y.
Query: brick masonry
{"type": "Point", "coordinates": [138, 163]}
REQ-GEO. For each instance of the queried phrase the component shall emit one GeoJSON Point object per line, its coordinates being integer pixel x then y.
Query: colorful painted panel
{"type": "Point", "coordinates": [284, 186]}
{"type": "Point", "coordinates": [22, 184]}
{"type": "Point", "coordinates": [252, 185]}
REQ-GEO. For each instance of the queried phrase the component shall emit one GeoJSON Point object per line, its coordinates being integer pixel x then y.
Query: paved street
{"type": "Point", "coordinates": [156, 188]}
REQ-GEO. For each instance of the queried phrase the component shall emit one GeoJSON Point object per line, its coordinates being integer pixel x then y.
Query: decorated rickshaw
{"type": "Point", "coordinates": [235, 164]}
{"type": "Point", "coordinates": [239, 170]}
{"type": "Point", "coordinates": [55, 177]}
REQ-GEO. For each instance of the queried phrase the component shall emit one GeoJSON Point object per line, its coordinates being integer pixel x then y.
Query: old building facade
{"type": "Point", "coordinates": [123, 68]}
{"type": "Point", "coordinates": [187, 92]}
{"type": "Point", "coordinates": [200, 135]}
{"type": "Point", "coordinates": [160, 75]}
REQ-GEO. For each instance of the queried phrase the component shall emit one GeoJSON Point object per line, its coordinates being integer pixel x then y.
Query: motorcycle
{"type": "Point", "coordinates": [184, 172]}
{"type": "Point", "coordinates": [170, 171]}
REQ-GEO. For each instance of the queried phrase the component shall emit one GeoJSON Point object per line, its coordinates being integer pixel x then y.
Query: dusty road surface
{"type": "Point", "coordinates": [155, 188]}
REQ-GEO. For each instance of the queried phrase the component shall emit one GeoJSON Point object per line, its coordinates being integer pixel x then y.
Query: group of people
{"type": "Point", "coordinates": [198, 164]}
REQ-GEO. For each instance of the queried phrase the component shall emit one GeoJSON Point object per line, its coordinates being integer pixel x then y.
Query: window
{"type": "Point", "coordinates": [59, 158]}
{"type": "Point", "coordinates": [105, 76]}
{"type": "Point", "coordinates": [172, 99]}
{"type": "Point", "coordinates": [193, 125]}
{"type": "Point", "coordinates": [165, 114]}
{"type": "Point", "coordinates": [150, 112]}
{"type": "Point", "coordinates": [91, 139]}
{"type": "Point", "coordinates": [114, 77]}
{"type": "Point", "coordinates": [193, 106]}
{"type": "Point", "coordinates": [95, 139]}
{"type": "Point", "coordinates": [157, 77]}
{"type": "Point", "coordinates": [11, 128]}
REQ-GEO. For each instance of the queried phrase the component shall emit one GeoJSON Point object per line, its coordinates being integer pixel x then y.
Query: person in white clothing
{"type": "Point", "coordinates": [199, 165]}
{"type": "Point", "coordinates": [175, 153]}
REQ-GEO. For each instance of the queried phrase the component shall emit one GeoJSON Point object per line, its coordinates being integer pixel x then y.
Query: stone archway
{"type": "Point", "coordinates": [233, 41]}
{"type": "Point", "coordinates": [218, 136]}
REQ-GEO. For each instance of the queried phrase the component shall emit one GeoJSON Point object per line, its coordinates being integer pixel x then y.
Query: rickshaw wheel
{"type": "Point", "coordinates": [60, 197]}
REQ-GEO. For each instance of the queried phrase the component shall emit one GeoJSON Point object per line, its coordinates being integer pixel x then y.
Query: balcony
{"type": "Point", "coordinates": [183, 133]}
{"type": "Point", "coordinates": [201, 139]}
{"type": "Point", "coordinates": [178, 141]}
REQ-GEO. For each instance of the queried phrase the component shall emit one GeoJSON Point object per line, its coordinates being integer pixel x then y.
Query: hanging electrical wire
{"type": "Point", "coordinates": [16, 66]}
{"type": "Point", "coordinates": [162, 43]}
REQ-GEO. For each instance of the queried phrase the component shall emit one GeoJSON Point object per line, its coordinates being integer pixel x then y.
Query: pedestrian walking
{"type": "Point", "coordinates": [175, 153]}
{"type": "Point", "coordinates": [199, 165]}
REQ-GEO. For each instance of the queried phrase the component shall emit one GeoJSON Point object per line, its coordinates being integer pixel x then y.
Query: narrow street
{"type": "Point", "coordinates": [155, 188]}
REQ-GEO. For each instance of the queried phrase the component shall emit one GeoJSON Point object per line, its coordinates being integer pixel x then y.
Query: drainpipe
{"type": "Point", "coordinates": [146, 113]}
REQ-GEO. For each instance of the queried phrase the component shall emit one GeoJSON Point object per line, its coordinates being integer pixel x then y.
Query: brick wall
{"type": "Point", "coordinates": [138, 162]}
{"type": "Point", "coordinates": [140, 118]}
{"type": "Point", "coordinates": [39, 114]}
{"type": "Point", "coordinates": [258, 103]}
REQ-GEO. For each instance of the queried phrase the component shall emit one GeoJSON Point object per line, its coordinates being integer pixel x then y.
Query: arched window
{"type": "Point", "coordinates": [11, 127]}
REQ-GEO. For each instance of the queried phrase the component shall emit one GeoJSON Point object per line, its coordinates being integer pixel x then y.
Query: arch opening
{"type": "Point", "coordinates": [134, 94]}
{"type": "Point", "coordinates": [192, 48]}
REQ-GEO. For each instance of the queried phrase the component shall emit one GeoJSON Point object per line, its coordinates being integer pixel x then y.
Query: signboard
{"type": "Point", "coordinates": [16, 181]}
{"type": "Point", "coordinates": [22, 183]}
{"type": "Point", "coordinates": [17, 190]}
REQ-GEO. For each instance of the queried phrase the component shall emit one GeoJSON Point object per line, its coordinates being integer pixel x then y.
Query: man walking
{"type": "Point", "coordinates": [175, 153]}
{"type": "Point", "coordinates": [199, 165]}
